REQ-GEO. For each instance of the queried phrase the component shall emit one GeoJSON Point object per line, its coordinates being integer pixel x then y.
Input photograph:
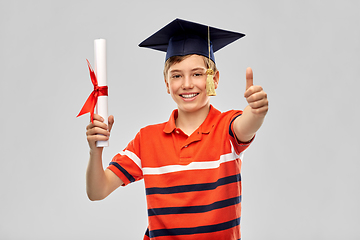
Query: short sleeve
{"type": "Point", "coordinates": [238, 145]}
{"type": "Point", "coordinates": [126, 164]}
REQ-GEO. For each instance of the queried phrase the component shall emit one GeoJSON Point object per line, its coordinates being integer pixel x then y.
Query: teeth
{"type": "Point", "coordinates": [188, 95]}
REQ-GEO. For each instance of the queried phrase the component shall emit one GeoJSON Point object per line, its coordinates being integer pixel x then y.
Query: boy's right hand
{"type": "Point", "coordinates": [98, 131]}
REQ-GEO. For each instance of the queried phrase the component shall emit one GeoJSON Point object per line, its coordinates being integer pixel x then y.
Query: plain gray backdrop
{"type": "Point", "coordinates": [300, 176]}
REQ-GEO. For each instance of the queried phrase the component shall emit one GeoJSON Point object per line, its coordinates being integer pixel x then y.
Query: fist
{"type": "Point", "coordinates": [98, 131]}
{"type": "Point", "coordinates": [255, 95]}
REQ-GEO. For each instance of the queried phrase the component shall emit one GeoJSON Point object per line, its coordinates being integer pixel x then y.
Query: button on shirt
{"type": "Point", "coordinates": [193, 183]}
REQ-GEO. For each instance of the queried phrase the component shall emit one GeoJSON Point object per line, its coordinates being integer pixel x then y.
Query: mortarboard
{"type": "Point", "coordinates": [180, 38]}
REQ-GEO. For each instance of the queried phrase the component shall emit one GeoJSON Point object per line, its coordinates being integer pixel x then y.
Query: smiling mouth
{"type": "Point", "coordinates": [189, 95]}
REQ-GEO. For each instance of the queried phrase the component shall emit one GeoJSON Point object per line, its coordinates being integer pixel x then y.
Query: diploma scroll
{"type": "Point", "coordinates": [100, 72]}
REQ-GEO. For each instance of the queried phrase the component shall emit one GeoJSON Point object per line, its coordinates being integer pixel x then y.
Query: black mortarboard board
{"type": "Point", "coordinates": [180, 38]}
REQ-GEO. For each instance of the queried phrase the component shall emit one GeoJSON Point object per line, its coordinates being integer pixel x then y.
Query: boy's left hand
{"type": "Point", "coordinates": [255, 96]}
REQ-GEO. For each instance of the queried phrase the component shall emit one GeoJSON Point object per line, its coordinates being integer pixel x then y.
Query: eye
{"type": "Point", "coordinates": [198, 74]}
{"type": "Point", "coordinates": [176, 76]}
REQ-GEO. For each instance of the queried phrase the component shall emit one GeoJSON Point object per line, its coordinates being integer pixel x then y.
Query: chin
{"type": "Point", "coordinates": [191, 108]}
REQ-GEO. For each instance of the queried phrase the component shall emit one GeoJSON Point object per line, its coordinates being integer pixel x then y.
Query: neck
{"type": "Point", "coordinates": [188, 122]}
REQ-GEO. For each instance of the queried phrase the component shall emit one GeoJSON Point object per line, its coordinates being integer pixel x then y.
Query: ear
{"type": "Point", "coordinates": [167, 86]}
{"type": "Point", "coordinates": [216, 79]}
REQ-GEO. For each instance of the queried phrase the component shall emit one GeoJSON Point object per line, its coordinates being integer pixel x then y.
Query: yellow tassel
{"type": "Point", "coordinates": [210, 86]}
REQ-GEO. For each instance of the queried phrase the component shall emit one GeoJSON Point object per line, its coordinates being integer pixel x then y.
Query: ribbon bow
{"type": "Point", "coordinates": [90, 103]}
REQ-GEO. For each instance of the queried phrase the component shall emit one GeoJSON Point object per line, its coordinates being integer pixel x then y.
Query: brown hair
{"type": "Point", "coordinates": [176, 59]}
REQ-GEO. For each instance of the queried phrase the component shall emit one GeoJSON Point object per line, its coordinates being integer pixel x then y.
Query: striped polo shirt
{"type": "Point", "coordinates": [193, 183]}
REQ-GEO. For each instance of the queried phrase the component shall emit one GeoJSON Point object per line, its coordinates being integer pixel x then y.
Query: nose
{"type": "Point", "coordinates": [187, 83]}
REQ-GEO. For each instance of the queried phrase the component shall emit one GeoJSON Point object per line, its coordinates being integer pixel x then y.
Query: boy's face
{"type": "Point", "coordinates": [186, 83]}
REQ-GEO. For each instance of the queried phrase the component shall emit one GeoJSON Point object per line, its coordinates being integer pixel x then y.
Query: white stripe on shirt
{"type": "Point", "coordinates": [132, 156]}
{"type": "Point", "coordinates": [193, 165]}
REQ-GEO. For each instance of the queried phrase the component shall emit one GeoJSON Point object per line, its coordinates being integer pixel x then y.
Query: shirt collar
{"type": "Point", "coordinates": [170, 125]}
{"type": "Point", "coordinates": [205, 127]}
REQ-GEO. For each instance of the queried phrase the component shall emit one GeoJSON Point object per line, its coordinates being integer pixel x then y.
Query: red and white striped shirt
{"type": "Point", "coordinates": [193, 183]}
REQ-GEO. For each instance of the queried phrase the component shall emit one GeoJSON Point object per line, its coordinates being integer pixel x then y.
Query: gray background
{"type": "Point", "coordinates": [300, 176]}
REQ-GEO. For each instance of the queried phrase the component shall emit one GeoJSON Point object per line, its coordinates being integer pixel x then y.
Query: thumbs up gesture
{"type": "Point", "coordinates": [255, 96]}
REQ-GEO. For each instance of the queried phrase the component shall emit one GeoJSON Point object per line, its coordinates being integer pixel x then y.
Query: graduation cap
{"type": "Point", "coordinates": [180, 38]}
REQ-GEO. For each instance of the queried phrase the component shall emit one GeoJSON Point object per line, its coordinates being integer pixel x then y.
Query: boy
{"type": "Point", "coordinates": [191, 164]}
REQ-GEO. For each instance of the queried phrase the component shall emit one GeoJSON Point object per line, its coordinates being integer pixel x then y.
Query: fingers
{"type": "Point", "coordinates": [249, 78]}
{"type": "Point", "coordinates": [98, 121]}
{"type": "Point", "coordinates": [97, 131]}
{"type": "Point", "coordinates": [252, 90]}
{"type": "Point", "coordinates": [257, 100]}
{"type": "Point", "coordinates": [255, 95]}
{"type": "Point", "coordinates": [92, 139]}
{"type": "Point", "coordinates": [262, 111]}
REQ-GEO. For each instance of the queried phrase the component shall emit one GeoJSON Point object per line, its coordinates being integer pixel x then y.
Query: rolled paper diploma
{"type": "Point", "coordinates": [100, 72]}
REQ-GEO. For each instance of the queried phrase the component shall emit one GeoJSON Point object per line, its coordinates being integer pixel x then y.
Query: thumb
{"type": "Point", "coordinates": [249, 78]}
{"type": "Point", "coordinates": [111, 122]}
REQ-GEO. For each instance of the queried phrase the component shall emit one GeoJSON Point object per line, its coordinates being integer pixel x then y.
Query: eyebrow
{"type": "Point", "coordinates": [175, 70]}
{"type": "Point", "coordinates": [199, 68]}
{"type": "Point", "coordinates": [192, 70]}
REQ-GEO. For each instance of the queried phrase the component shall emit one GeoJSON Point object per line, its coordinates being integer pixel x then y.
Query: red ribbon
{"type": "Point", "coordinates": [90, 103]}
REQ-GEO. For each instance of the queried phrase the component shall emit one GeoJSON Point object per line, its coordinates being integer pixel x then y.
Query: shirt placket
{"type": "Point", "coordinates": [187, 146]}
